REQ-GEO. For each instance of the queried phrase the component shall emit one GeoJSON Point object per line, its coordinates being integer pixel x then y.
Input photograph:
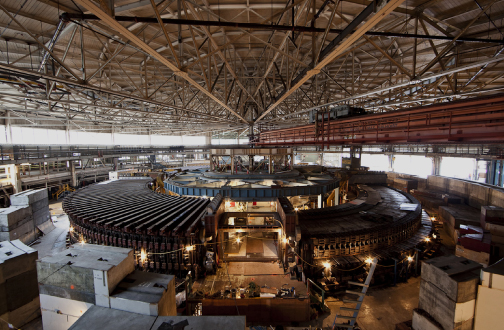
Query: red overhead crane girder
{"type": "Point", "coordinates": [479, 120]}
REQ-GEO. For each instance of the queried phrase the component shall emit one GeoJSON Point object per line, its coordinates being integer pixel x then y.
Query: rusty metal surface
{"type": "Point", "coordinates": [478, 120]}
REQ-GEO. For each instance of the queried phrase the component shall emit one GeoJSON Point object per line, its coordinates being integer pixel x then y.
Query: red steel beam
{"type": "Point", "coordinates": [478, 120]}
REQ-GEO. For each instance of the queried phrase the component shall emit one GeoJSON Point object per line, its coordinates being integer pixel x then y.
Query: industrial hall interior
{"type": "Point", "coordinates": [252, 164]}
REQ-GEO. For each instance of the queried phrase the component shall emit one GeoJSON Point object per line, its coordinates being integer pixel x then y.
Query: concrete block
{"type": "Point", "coordinates": [55, 321]}
{"type": "Point", "coordinates": [103, 301]}
{"type": "Point", "coordinates": [111, 319]}
{"type": "Point", "coordinates": [18, 278]}
{"type": "Point", "coordinates": [492, 212]}
{"type": "Point", "coordinates": [40, 205]}
{"type": "Point", "coordinates": [63, 305]}
{"type": "Point", "coordinates": [444, 310]}
{"type": "Point", "coordinates": [488, 313]}
{"type": "Point", "coordinates": [14, 216]}
{"type": "Point", "coordinates": [204, 322]}
{"type": "Point", "coordinates": [497, 239]}
{"type": "Point", "coordinates": [15, 259]}
{"type": "Point", "coordinates": [464, 311]}
{"type": "Point", "coordinates": [480, 257]}
{"type": "Point", "coordinates": [404, 183]}
{"type": "Point", "coordinates": [19, 290]}
{"type": "Point", "coordinates": [146, 293]}
{"type": "Point", "coordinates": [452, 275]}
{"type": "Point", "coordinates": [421, 321]}
{"type": "Point", "coordinates": [41, 216]}
{"type": "Point", "coordinates": [108, 264]}
{"type": "Point", "coordinates": [21, 316]}
{"type": "Point", "coordinates": [493, 276]}
{"type": "Point", "coordinates": [495, 229]}
{"type": "Point", "coordinates": [465, 325]}
{"type": "Point", "coordinates": [46, 227]}
{"type": "Point", "coordinates": [459, 215]}
{"type": "Point", "coordinates": [26, 232]}
{"type": "Point", "coordinates": [69, 292]}
{"type": "Point", "coordinates": [28, 197]}
{"type": "Point", "coordinates": [496, 198]}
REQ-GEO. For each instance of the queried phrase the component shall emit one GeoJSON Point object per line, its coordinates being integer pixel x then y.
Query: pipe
{"type": "Point", "coordinates": [153, 20]}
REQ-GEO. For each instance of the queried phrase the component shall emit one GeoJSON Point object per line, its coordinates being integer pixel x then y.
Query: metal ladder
{"type": "Point", "coordinates": [357, 302]}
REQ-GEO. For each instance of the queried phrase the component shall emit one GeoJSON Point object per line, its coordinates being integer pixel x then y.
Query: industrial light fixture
{"type": "Point", "coordinates": [369, 261]}
{"type": "Point", "coordinates": [238, 240]}
{"type": "Point", "coordinates": [189, 248]}
{"type": "Point", "coordinates": [71, 229]}
{"type": "Point", "coordinates": [296, 209]}
{"type": "Point", "coordinates": [434, 236]}
{"type": "Point", "coordinates": [427, 239]}
{"type": "Point", "coordinates": [410, 258]}
{"type": "Point", "coordinates": [326, 265]}
{"type": "Point", "coordinates": [285, 240]}
{"type": "Point", "coordinates": [143, 256]}
{"type": "Point", "coordinates": [82, 241]}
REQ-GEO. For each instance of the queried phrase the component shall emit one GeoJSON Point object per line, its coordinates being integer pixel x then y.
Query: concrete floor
{"type": "Point", "coordinates": [55, 241]}
{"type": "Point", "coordinates": [382, 309]}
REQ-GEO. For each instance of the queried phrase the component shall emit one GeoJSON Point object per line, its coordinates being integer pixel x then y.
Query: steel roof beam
{"type": "Point", "coordinates": [112, 23]}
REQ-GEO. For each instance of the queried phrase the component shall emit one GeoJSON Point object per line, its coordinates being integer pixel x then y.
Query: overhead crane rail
{"type": "Point", "coordinates": [479, 120]}
{"type": "Point", "coordinates": [126, 213]}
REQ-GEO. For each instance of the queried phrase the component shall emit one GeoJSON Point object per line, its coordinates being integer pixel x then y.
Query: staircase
{"type": "Point", "coordinates": [357, 301]}
{"type": "Point", "coordinates": [62, 190]}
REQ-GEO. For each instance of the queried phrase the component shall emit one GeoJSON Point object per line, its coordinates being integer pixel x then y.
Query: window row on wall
{"type": "Point", "coordinates": [28, 135]}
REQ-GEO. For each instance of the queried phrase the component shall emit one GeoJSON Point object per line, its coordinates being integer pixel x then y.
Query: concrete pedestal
{"type": "Point", "coordinates": [19, 301]}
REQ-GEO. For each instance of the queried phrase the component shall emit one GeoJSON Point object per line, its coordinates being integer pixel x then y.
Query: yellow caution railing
{"type": "Point", "coordinates": [61, 190]}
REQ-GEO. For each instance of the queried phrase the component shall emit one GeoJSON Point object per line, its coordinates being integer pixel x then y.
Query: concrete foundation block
{"type": "Point", "coordinates": [422, 322]}
{"type": "Point", "coordinates": [25, 232]}
{"type": "Point", "coordinates": [55, 321]}
{"type": "Point", "coordinates": [465, 325]}
{"type": "Point", "coordinates": [63, 305]}
{"type": "Point", "coordinates": [21, 316]}
{"type": "Point", "coordinates": [444, 310]}
{"type": "Point", "coordinates": [28, 197]}
{"type": "Point", "coordinates": [18, 291]}
{"type": "Point", "coordinates": [146, 293]}
{"type": "Point", "coordinates": [15, 259]}
{"type": "Point", "coordinates": [42, 204]}
{"type": "Point", "coordinates": [454, 276]}
{"type": "Point", "coordinates": [110, 319]}
{"type": "Point", "coordinates": [46, 227]}
{"type": "Point", "coordinates": [482, 258]}
{"type": "Point", "coordinates": [41, 216]}
{"type": "Point", "coordinates": [13, 216]}
{"type": "Point", "coordinates": [67, 293]}
{"type": "Point", "coordinates": [488, 313]}
{"type": "Point", "coordinates": [103, 301]}
{"type": "Point", "coordinates": [495, 229]}
{"type": "Point", "coordinates": [94, 270]}
{"type": "Point", "coordinates": [18, 283]}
